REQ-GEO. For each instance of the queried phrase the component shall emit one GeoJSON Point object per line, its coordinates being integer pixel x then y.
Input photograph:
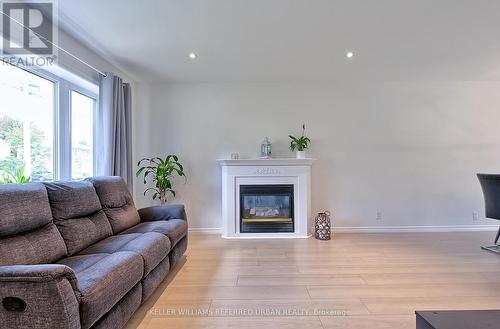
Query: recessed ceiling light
{"type": "Point", "coordinates": [192, 55]}
{"type": "Point", "coordinates": [350, 54]}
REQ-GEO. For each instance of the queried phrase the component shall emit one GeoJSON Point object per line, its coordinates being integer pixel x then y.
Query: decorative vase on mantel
{"type": "Point", "coordinates": [300, 154]}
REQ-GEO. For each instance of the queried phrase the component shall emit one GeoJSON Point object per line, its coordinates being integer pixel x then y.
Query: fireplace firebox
{"type": "Point", "coordinates": [266, 209]}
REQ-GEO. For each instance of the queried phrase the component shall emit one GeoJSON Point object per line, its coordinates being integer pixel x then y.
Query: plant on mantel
{"type": "Point", "coordinates": [300, 144]}
{"type": "Point", "coordinates": [161, 173]}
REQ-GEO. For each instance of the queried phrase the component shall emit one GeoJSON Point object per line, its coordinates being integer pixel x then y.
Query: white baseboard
{"type": "Point", "coordinates": [396, 229]}
{"type": "Point", "coordinates": [382, 229]}
{"type": "Point", "coordinates": [207, 230]}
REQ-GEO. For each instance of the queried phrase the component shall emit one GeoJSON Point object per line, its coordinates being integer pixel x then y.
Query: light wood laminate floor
{"type": "Point", "coordinates": [353, 281]}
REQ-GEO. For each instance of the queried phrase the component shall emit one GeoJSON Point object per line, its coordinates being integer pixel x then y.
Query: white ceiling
{"type": "Point", "coordinates": [292, 40]}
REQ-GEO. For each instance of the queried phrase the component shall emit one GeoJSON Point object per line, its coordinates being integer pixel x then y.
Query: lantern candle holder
{"type": "Point", "coordinates": [265, 149]}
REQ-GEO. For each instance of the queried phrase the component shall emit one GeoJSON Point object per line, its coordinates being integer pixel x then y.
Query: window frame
{"type": "Point", "coordinates": [62, 148]}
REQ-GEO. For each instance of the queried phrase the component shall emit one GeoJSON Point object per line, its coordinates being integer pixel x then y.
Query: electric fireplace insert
{"type": "Point", "coordinates": [266, 209]}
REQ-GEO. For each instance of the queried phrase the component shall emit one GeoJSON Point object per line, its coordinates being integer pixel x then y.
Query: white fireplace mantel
{"type": "Point", "coordinates": [266, 172]}
{"type": "Point", "coordinates": [267, 162]}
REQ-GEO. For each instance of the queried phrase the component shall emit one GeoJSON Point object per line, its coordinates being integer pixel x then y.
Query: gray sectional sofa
{"type": "Point", "coordinates": [78, 254]}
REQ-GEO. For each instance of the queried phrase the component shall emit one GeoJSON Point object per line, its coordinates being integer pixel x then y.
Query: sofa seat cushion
{"type": "Point", "coordinates": [103, 280]}
{"type": "Point", "coordinates": [82, 262]}
{"type": "Point", "coordinates": [175, 229]}
{"type": "Point", "coordinates": [152, 247]}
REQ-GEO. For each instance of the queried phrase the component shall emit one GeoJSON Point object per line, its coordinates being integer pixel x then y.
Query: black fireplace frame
{"type": "Point", "coordinates": [267, 227]}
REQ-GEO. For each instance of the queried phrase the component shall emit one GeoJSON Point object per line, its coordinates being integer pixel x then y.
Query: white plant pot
{"type": "Point", "coordinates": [301, 154]}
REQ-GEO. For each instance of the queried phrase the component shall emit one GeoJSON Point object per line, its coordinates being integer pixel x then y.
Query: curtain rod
{"type": "Point", "coordinates": [53, 44]}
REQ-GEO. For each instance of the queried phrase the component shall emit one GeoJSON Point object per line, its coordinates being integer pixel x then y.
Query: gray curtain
{"type": "Point", "coordinates": [114, 154]}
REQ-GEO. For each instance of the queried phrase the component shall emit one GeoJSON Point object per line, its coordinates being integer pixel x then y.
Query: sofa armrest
{"type": "Point", "coordinates": [37, 273]}
{"type": "Point", "coordinates": [45, 296]}
{"type": "Point", "coordinates": [165, 212]}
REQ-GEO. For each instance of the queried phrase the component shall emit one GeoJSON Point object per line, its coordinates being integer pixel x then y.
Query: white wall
{"type": "Point", "coordinates": [80, 50]}
{"type": "Point", "coordinates": [409, 149]}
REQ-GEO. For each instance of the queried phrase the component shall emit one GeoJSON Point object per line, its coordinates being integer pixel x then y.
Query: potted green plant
{"type": "Point", "coordinates": [161, 173]}
{"type": "Point", "coordinates": [300, 144]}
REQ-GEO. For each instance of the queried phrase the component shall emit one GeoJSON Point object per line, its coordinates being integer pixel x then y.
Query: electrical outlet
{"type": "Point", "coordinates": [379, 215]}
{"type": "Point", "coordinates": [475, 215]}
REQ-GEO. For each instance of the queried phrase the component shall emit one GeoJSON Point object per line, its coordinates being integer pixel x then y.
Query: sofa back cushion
{"type": "Point", "coordinates": [116, 202]}
{"type": "Point", "coordinates": [27, 234]}
{"type": "Point", "coordinates": [77, 214]}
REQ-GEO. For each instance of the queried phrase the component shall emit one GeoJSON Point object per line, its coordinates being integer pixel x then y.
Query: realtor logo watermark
{"type": "Point", "coordinates": [29, 32]}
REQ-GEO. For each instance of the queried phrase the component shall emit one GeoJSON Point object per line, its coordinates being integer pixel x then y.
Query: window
{"type": "Point", "coordinates": [26, 124]}
{"type": "Point", "coordinates": [46, 126]}
{"type": "Point", "coordinates": [82, 131]}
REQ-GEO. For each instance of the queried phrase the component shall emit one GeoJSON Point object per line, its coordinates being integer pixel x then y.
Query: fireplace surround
{"type": "Point", "coordinates": [266, 198]}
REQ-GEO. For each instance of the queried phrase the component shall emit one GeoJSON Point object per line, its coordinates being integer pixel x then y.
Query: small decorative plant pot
{"type": "Point", "coordinates": [301, 154]}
